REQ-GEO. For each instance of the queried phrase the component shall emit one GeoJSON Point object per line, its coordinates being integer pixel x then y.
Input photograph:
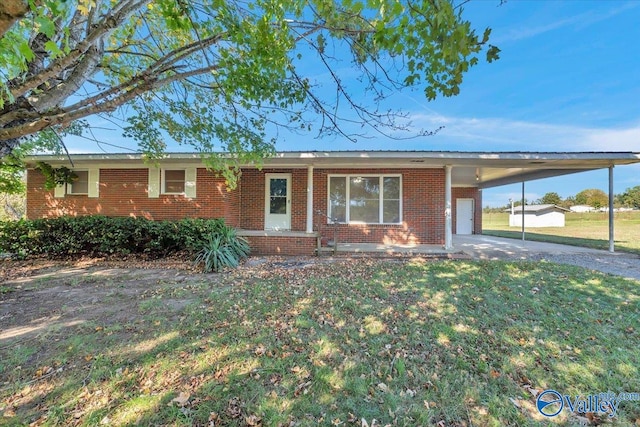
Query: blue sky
{"type": "Point", "coordinates": [568, 80]}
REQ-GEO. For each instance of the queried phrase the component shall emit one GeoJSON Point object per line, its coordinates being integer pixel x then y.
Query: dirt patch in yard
{"type": "Point", "coordinates": [12, 270]}
{"type": "Point", "coordinates": [45, 300]}
{"type": "Point", "coordinates": [47, 307]}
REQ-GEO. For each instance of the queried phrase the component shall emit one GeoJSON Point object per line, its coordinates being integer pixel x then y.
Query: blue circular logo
{"type": "Point", "coordinates": [549, 403]}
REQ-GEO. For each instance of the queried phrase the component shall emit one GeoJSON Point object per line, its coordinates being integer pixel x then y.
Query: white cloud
{"type": "Point", "coordinates": [583, 20]}
{"type": "Point", "coordinates": [525, 32]}
{"type": "Point", "coordinates": [515, 135]}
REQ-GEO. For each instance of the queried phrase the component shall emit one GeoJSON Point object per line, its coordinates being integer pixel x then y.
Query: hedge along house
{"type": "Point", "coordinates": [389, 197]}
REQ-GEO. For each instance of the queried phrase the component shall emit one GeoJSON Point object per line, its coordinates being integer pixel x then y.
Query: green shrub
{"type": "Point", "coordinates": [100, 235]}
{"type": "Point", "coordinates": [222, 250]}
{"type": "Point", "coordinates": [193, 232]}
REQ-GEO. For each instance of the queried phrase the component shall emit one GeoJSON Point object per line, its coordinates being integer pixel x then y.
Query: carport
{"type": "Point", "coordinates": [488, 170]}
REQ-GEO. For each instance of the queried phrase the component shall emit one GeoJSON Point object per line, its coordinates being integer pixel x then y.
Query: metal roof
{"type": "Point", "coordinates": [538, 208]}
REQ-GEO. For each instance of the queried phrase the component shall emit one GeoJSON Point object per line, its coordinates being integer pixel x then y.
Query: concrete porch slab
{"type": "Point", "coordinates": [275, 233]}
{"type": "Point", "coordinates": [399, 250]}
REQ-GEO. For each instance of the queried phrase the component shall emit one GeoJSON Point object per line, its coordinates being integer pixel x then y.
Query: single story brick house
{"type": "Point", "coordinates": [391, 197]}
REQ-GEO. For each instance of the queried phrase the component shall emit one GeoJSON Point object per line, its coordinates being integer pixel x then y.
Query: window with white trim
{"type": "Point", "coordinates": [79, 184]}
{"type": "Point", "coordinates": [365, 199]}
{"type": "Point", "coordinates": [173, 181]}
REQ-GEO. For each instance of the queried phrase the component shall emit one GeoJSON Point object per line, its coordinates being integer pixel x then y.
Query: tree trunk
{"type": "Point", "coordinates": [10, 12]}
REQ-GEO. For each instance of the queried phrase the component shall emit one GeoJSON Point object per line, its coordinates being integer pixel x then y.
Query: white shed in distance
{"type": "Point", "coordinates": [538, 216]}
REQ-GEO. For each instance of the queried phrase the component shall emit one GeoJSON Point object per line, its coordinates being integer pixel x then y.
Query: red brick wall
{"type": "Point", "coordinates": [278, 245]}
{"type": "Point", "coordinates": [123, 192]}
{"type": "Point", "coordinates": [253, 198]}
{"type": "Point", "coordinates": [423, 205]}
{"type": "Point", "coordinates": [422, 216]}
{"type": "Point", "coordinates": [233, 206]}
{"type": "Point", "coordinates": [468, 193]}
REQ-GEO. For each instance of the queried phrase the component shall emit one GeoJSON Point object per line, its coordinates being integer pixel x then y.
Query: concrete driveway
{"type": "Point", "coordinates": [489, 247]}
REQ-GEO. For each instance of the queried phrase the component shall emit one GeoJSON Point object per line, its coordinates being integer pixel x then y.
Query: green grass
{"type": "Point", "coordinates": [589, 229]}
{"type": "Point", "coordinates": [462, 343]}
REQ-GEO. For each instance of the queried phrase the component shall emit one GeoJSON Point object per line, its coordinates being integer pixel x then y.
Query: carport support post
{"type": "Point", "coordinates": [448, 238]}
{"type": "Point", "coordinates": [522, 210]}
{"type": "Point", "coordinates": [611, 244]}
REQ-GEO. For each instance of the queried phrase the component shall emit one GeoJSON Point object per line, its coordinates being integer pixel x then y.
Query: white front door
{"type": "Point", "coordinates": [277, 214]}
{"type": "Point", "coordinates": [464, 216]}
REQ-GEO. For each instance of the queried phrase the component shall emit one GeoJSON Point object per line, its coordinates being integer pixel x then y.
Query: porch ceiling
{"type": "Point", "coordinates": [475, 169]}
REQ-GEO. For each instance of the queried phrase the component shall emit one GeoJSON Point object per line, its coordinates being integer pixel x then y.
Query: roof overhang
{"type": "Point", "coordinates": [475, 169]}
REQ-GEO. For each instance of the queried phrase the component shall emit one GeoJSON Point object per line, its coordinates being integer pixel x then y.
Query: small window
{"type": "Point", "coordinates": [80, 184]}
{"type": "Point", "coordinates": [174, 181]}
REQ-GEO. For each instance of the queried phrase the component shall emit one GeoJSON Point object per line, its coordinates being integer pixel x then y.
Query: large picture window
{"type": "Point", "coordinates": [368, 199]}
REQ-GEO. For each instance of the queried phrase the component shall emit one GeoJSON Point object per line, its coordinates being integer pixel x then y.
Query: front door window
{"type": "Point", "coordinates": [278, 196]}
{"type": "Point", "coordinates": [278, 202]}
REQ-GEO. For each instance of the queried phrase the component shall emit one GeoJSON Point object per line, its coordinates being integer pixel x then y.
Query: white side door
{"type": "Point", "coordinates": [464, 216]}
{"type": "Point", "coordinates": [277, 204]}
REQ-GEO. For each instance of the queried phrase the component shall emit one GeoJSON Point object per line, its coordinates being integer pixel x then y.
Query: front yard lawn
{"type": "Point", "coordinates": [297, 342]}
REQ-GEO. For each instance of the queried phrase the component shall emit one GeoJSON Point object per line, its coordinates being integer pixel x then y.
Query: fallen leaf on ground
{"type": "Point", "coordinates": [302, 388]}
{"type": "Point", "coordinates": [182, 399]}
{"type": "Point", "coordinates": [253, 420]}
{"type": "Point", "coordinates": [234, 408]}
{"type": "Point", "coordinates": [515, 402]}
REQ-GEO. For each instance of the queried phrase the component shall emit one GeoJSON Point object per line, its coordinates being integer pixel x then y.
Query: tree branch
{"type": "Point", "coordinates": [10, 12]}
{"type": "Point", "coordinates": [56, 96]}
{"type": "Point", "coordinates": [161, 65]}
{"type": "Point", "coordinates": [66, 116]}
{"type": "Point", "coordinates": [109, 23]}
